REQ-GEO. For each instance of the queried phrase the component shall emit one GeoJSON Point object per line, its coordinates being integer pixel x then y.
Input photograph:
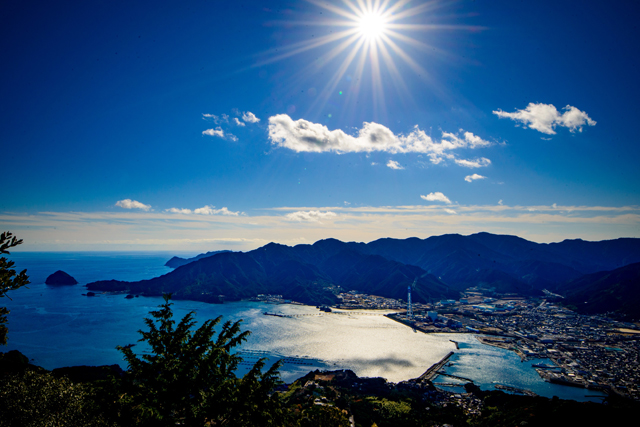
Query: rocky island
{"type": "Point", "coordinates": [60, 278]}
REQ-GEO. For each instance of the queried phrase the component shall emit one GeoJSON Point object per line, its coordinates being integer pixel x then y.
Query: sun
{"type": "Point", "coordinates": [372, 25]}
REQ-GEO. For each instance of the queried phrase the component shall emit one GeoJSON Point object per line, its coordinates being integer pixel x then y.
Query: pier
{"type": "Point", "coordinates": [433, 370]}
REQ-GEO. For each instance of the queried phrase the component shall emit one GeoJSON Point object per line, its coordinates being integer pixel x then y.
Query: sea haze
{"type": "Point", "coordinates": [58, 326]}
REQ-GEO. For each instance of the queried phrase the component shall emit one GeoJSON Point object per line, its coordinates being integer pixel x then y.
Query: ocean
{"type": "Point", "coordinates": [58, 326]}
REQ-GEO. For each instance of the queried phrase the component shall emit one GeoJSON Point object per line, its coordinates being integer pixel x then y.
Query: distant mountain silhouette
{"type": "Point", "coordinates": [440, 266]}
{"type": "Point", "coordinates": [176, 261]}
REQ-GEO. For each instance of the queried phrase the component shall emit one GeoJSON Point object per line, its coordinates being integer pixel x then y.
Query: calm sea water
{"type": "Point", "coordinates": [58, 326]}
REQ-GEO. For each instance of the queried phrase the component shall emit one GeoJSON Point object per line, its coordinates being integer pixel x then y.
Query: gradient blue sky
{"type": "Point", "coordinates": [130, 125]}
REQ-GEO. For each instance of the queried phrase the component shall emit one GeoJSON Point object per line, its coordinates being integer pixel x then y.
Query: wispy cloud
{"type": "Point", "coordinates": [545, 117]}
{"type": "Point", "coordinates": [249, 117]}
{"type": "Point", "coordinates": [394, 165]}
{"type": "Point", "coordinates": [305, 136]}
{"type": "Point", "coordinates": [205, 210]}
{"type": "Point", "coordinates": [475, 176]}
{"type": "Point", "coordinates": [132, 204]}
{"type": "Point", "coordinates": [238, 122]}
{"type": "Point", "coordinates": [310, 216]}
{"type": "Point", "coordinates": [224, 118]}
{"type": "Point", "coordinates": [436, 197]}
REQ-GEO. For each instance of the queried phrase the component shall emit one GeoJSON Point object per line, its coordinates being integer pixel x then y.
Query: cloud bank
{"type": "Point", "coordinates": [436, 197]}
{"type": "Point", "coordinates": [132, 204]}
{"type": "Point", "coordinates": [305, 136]}
{"type": "Point", "coordinates": [545, 117]}
{"type": "Point", "coordinates": [134, 230]}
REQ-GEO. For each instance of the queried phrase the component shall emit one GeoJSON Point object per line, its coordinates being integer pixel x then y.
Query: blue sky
{"type": "Point", "coordinates": [227, 125]}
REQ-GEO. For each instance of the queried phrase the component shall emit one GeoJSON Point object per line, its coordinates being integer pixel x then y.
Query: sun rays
{"type": "Point", "coordinates": [372, 43]}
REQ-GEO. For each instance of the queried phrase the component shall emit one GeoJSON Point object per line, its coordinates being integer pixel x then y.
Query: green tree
{"type": "Point", "coordinates": [9, 281]}
{"type": "Point", "coordinates": [189, 378]}
{"type": "Point", "coordinates": [38, 399]}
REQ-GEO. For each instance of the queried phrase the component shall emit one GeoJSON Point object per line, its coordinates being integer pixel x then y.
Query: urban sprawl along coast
{"type": "Point", "coordinates": [593, 352]}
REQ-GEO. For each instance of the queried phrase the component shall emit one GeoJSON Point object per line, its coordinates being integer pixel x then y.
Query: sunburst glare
{"type": "Point", "coordinates": [370, 39]}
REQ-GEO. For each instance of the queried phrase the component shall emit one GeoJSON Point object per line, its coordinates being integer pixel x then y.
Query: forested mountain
{"type": "Point", "coordinates": [440, 266]}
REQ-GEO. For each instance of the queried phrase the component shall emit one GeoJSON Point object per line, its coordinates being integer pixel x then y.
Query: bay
{"type": "Point", "coordinates": [58, 326]}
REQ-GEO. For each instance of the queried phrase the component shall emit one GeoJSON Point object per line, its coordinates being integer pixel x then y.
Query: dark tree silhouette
{"type": "Point", "coordinates": [189, 377]}
{"type": "Point", "coordinates": [9, 281]}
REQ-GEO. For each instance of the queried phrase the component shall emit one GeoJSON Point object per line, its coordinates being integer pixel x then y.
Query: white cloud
{"type": "Point", "coordinates": [305, 136]}
{"type": "Point", "coordinates": [309, 216]}
{"type": "Point", "coordinates": [394, 165]}
{"type": "Point", "coordinates": [238, 122]}
{"type": "Point", "coordinates": [373, 163]}
{"type": "Point", "coordinates": [214, 132]}
{"type": "Point", "coordinates": [500, 202]}
{"type": "Point", "coordinates": [451, 211]}
{"type": "Point", "coordinates": [205, 210]}
{"type": "Point", "coordinates": [436, 197]}
{"type": "Point", "coordinates": [471, 178]}
{"type": "Point", "coordinates": [249, 117]}
{"type": "Point", "coordinates": [545, 117]}
{"type": "Point", "coordinates": [232, 137]}
{"type": "Point", "coordinates": [132, 204]}
{"type": "Point", "coordinates": [475, 163]}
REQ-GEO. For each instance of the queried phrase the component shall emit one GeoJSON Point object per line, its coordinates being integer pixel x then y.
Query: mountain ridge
{"type": "Point", "coordinates": [441, 266]}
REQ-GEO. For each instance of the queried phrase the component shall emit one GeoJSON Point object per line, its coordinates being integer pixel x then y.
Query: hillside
{"type": "Point", "coordinates": [615, 291]}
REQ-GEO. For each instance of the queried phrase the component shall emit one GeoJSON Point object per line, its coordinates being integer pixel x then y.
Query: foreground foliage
{"type": "Point", "coordinates": [34, 399]}
{"type": "Point", "coordinates": [9, 281]}
{"type": "Point", "coordinates": [189, 377]}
